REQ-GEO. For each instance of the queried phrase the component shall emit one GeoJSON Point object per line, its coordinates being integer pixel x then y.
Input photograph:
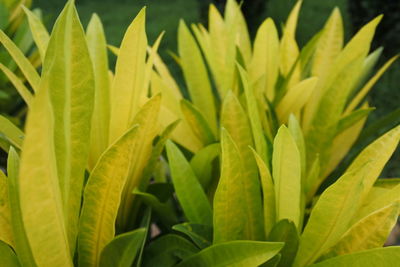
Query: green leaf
{"type": "Point", "coordinates": [188, 190]}
{"type": "Point", "coordinates": [285, 231]}
{"type": "Point", "coordinates": [351, 119]}
{"type": "Point", "coordinates": [229, 205]}
{"type": "Point", "coordinates": [197, 122]}
{"type": "Point", "coordinates": [123, 249]}
{"type": "Point", "coordinates": [234, 253]}
{"type": "Point", "coordinates": [167, 250]}
{"type": "Point", "coordinates": [286, 172]}
{"type": "Point", "coordinates": [236, 123]}
{"type": "Point", "coordinates": [128, 88]}
{"type": "Point", "coordinates": [200, 234]}
{"type": "Point", "coordinates": [11, 132]}
{"type": "Point", "coordinates": [163, 210]}
{"type": "Point", "coordinates": [23, 63]}
{"type": "Point", "coordinates": [331, 216]}
{"type": "Point", "coordinates": [39, 32]}
{"type": "Point", "coordinates": [196, 77]}
{"type": "Point", "coordinates": [268, 191]}
{"type": "Point", "coordinates": [7, 255]}
{"type": "Point", "coordinates": [102, 198]}
{"type": "Point", "coordinates": [297, 134]}
{"type": "Point", "coordinates": [201, 163]}
{"type": "Point", "coordinates": [370, 232]}
{"type": "Point", "coordinates": [68, 76]}
{"type": "Point", "coordinates": [22, 246]}
{"type": "Point", "coordinates": [101, 113]}
{"type": "Point", "coordinates": [382, 257]}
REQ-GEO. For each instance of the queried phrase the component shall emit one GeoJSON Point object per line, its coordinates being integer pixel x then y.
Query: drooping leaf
{"type": "Point", "coordinates": [123, 249]}
{"type": "Point", "coordinates": [102, 199]}
{"type": "Point", "coordinates": [234, 253]}
{"type": "Point", "coordinates": [189, 192]}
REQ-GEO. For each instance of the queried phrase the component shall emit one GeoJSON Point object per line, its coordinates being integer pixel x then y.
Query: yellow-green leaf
{"type": "Point", "coordinates": [22, 246]}
{"type": "Point", "coordinates": [382, 257]}
{"type": "Point", "coordinates": [39, 32]}
{"type": "Point", "coordinates": [268, 190]}
{"type": "Point", "coordinates": [102, 198]}
{"type": "Point", "coordinates": [23, 63]}
{"type": "Point", "coordinates": [101, 113]}
{"type": "Point", "coordinates": [286, 172]}
{"type": "Point", "coordinates": [265, 60]}
{"type": "Point", "coordinates": [196, 76]}
{"type": "Point", "coordinates": [235, 121]}
{"type": "Point", "coordinates": [6, 234]}
{"type": "Point", "coordinates": [42, 206]}
{"type": "Point", "coordinates": [128, 84]}
{"type": "Point", "coordinates": [370, 232]}
{"type": "Point", "coordinates": [18, 84]}
{"type": "Point", "coordinates": [331, 216]}
{"type": "Point", "coordinates": [68, 77]}
{"type": "Point", "coordinates": [229, 199]}
{"type": "Point", "coordinates": [11, 132]}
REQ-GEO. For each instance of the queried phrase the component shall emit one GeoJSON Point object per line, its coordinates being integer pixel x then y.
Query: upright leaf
{"type": "Point", "coordinates": [236, 123]}
{"type": "Point", "coordinates": [196, 76]}
{"type": "Point", "coordinates": [188, 190]}
{"type": "Point", "coordinates": [68, 76]}
{"type": "Point", "coordinates": [286, 172]}
{"type": "Point", "coordinates": [102, 198]}
{"type": "Point", "coordinates": [101, 113]}
{"type": "Point", "coordinates": [229, 200]}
